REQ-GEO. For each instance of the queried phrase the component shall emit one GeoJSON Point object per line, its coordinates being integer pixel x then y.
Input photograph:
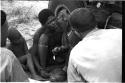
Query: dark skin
{"type": "Point", "coordinates": [62, 51]}
{"type": "Point", "coordinates": [50, 38]}
{"type": "Point", "coordinates": [18, 43]}
{"type": "Point", "coordinates": [62, 22]}
{"type": "Point", "coordinates": [19, 47]}
{"type": "Point", "coordinates": [35, 49]}
{"type": "Point", "coordinates": [45, 36]}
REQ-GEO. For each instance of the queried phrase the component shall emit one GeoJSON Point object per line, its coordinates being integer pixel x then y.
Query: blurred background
{"type": "Point", "coordinates": [22, 15]}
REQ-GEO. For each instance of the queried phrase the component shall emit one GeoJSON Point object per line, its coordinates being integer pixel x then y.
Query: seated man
{"type": "Point", "coordinates": [36, 49]}
{"type": "Point", "coordinates": [19, 47]}
{"type": "Point", "coordinates": [98, 57]}
{"type": "Point", "coordinates": [47, 38]}
{"type": "Point", "coordinates": [10, 68]}
{"type": "Point", "coordinates": [62, 14]}
{"type": "Point", "coordinates": [70, 36]}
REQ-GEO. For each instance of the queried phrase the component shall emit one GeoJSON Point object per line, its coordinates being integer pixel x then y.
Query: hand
{"type": "Point", "coordinates": [56, 50]}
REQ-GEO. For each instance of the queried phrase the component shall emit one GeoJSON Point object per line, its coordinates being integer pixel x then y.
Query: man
{"type": "Point", "coordinates": [62, 14]}
{"type": "Point", "coordinates": [98, 57]}
{"type": "Point", "coordinates": [45, 39]}
{"type": "Point", "coordinates": [10, 68]}
{"type": "Point", "coordinates": [61, 52]}
{"type": "Point", "coordinates": [36, 49]}
{"type": "Point", "coordinates": [52, 39]}
{"type": "Point", "coordinates": [70, 36]}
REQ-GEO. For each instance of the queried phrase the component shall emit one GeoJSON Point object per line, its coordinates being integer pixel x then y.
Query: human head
{"type": "Point", "coordinates": [115, 20]}
{"type": "Point", "coordinates": [100, 16]}
{"type": "Point", "coordinates": [4, 28]}
{"type": "Point", "coordinates": [82, 19]}
{"type": "Point", "coordinates": [62, 13]}
{"type": "Point", "coordinates": [14, 35]}
{"type": "Point", "coordinates": [44, 15]}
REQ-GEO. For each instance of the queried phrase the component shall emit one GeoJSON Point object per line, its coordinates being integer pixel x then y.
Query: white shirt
{"type": "Point", "coordinates": [98, 57]}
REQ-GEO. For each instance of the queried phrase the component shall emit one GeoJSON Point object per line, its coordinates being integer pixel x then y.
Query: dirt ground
{"type": "Point", "coordinates": [23, 15]}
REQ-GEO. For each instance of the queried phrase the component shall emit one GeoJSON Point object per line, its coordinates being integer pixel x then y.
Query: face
{"type": "Point", "coordinates": [62, 20]}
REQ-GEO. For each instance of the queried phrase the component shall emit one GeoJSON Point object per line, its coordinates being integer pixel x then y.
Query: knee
{"type": "Point", "coordinates": [36, 38]}
{"type": "Point", "coordinates": [43, 40]}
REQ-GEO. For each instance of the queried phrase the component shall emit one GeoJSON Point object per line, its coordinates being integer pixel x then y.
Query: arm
{"type": "Point", "coordinates": [64, 48]}
{"type": "Point", "coordinates": [43, 49]}
{"type": "Point", "coordinates": [34, 49]}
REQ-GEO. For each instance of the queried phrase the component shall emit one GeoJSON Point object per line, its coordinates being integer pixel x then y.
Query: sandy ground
{"type": "Point", "coordinates": [23, 16]}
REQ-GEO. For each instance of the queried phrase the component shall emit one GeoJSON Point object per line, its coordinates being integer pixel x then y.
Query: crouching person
{"type": "Point", "coordinates": [98, 57]}
{"type": "Point", "coordinates": [10, 68]}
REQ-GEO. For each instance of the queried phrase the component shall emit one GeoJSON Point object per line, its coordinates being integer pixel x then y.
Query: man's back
{"type": "Point", "coordinates": [10, 68]}
{"type": "Point", "coordinates": [98, 57]}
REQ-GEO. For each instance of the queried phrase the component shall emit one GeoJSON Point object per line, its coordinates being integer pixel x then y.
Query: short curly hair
{"type": "Point", "coordinates": [3, 17]}
{"type": "Point", "coordinates": [44, 15]}
{"type": "Point", "coordinates": [82, 19]}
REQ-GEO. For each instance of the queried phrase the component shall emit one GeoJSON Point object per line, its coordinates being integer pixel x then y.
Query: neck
{"type": "Point", "coordinates": [83, 34]}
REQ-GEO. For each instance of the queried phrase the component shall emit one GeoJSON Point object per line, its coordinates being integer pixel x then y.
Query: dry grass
{"type": "Point", "coordinates": [23, 16]}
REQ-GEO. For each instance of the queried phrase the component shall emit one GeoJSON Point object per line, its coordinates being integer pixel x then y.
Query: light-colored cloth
{"type": "Point", "coordinates": [36, 81]}
{"type": "Point", "coordinates": [10, 68]}
{"type": "Point", "coordinates": [97, 58]}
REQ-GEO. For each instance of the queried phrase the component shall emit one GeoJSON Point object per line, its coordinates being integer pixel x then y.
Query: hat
{"type": "Point", "coordinates": [60, 8]}
{"type": "Point", "coordinates": [82, 19]}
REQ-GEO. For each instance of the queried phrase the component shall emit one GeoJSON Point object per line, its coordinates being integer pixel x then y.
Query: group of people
{"type": "Point", "coordinates": [83, 45]}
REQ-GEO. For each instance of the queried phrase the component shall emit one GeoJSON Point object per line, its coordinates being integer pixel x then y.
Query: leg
{"type": "Point", "coordinates": [34, 49]}
{"type": "Point", "coordinates": [42, 52]}
{"type": "Point", "coordinates": [31, 68]}
{"type": "Point", "coordinates": [34, 56]}
{"type": "Point", "coordinates": [30, 64]}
